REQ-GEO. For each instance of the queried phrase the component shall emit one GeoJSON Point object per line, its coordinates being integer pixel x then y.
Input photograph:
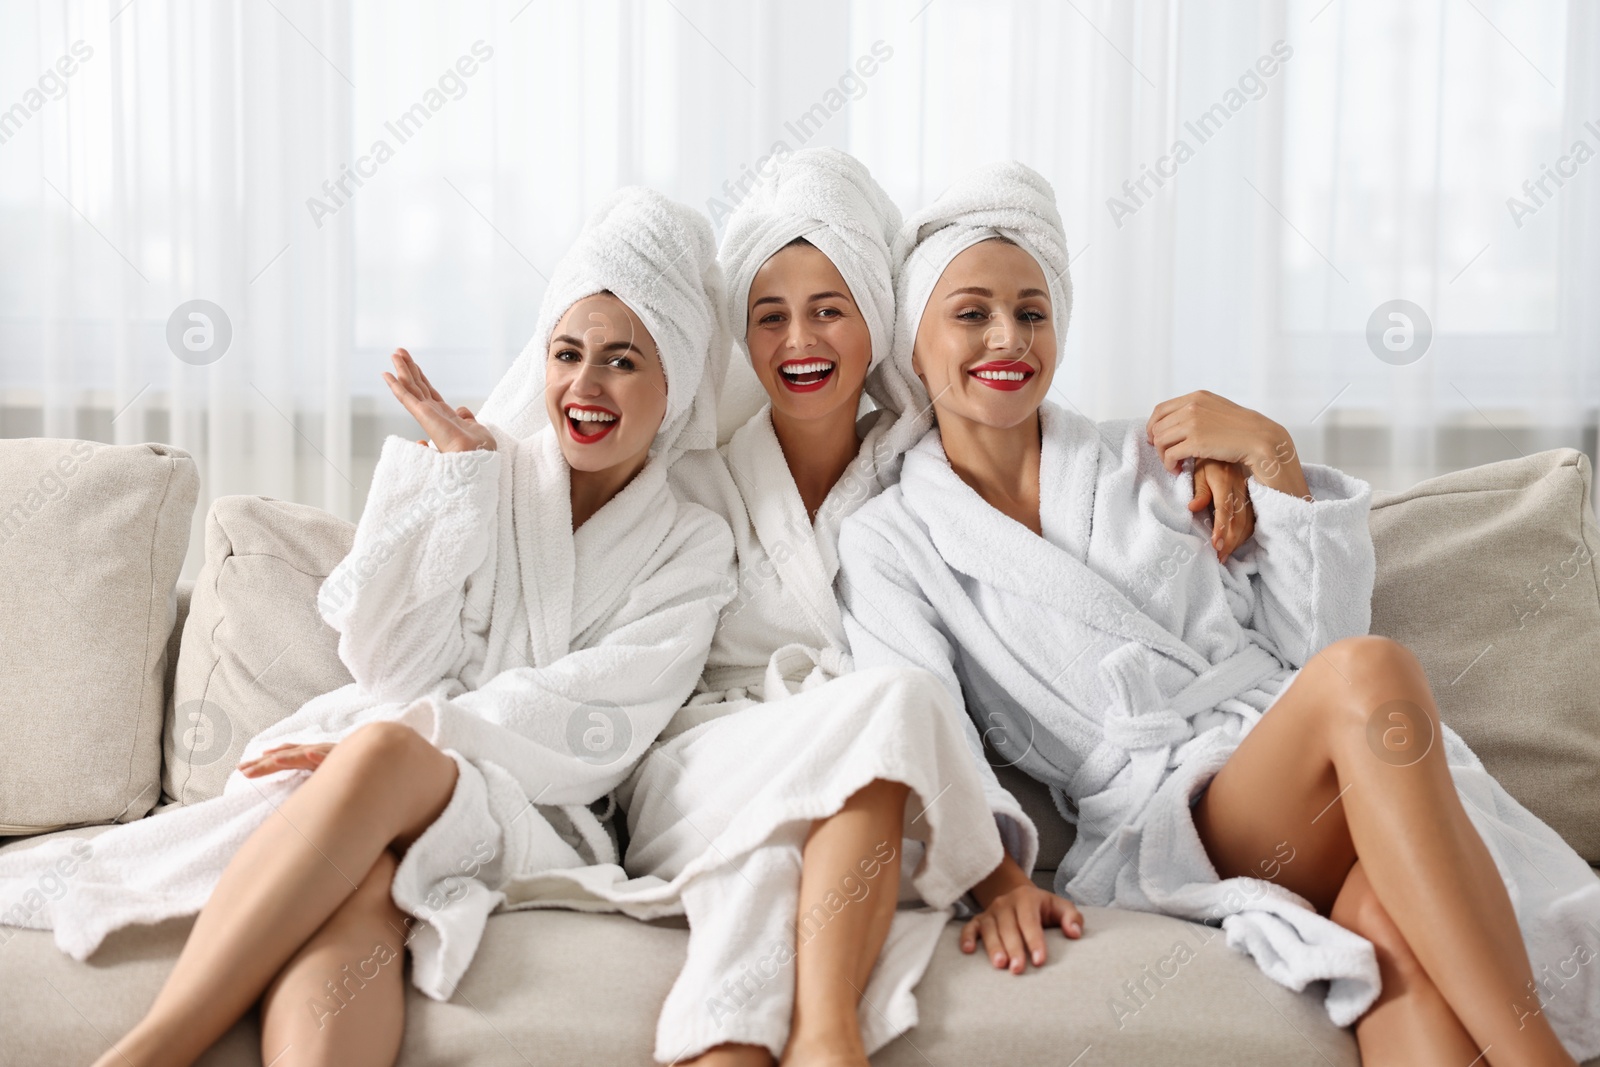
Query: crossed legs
{"type": "Point", "coordinates": [306, 894]}
{"type": "Point", "coordinates": [1347, 769]}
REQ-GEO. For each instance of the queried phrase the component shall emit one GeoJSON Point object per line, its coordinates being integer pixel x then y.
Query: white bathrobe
{"type": "Point", "coordinates": [781, 734]}
{"type": "Point", "coordinates": [544, 661]}
{"type": "Point", "coordinates": [1116, 660]}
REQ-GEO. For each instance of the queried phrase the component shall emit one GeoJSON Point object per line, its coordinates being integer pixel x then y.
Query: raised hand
{"type": "Point", "coordinates": [1203, 425]}
{"type": "Point", "coordinates": [1225, 487]}
{"type": "Point", "coordinates": [286, 758]}
{"type": "Point", "coordinates": [452, 429]}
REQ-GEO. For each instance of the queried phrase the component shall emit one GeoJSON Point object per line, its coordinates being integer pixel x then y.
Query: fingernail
{"type": "Point", "coordinates": [1038, 956]}
{"type": "Point", "coordinates": [999, 960]}
{"type": "Point", "coordinates": [1077, 929]}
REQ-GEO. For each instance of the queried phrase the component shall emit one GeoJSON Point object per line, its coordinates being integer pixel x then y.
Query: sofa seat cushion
{"type": "Point", "coordinates": [557, 987]}
{"type": "Point", "coordinates": [92, 538]}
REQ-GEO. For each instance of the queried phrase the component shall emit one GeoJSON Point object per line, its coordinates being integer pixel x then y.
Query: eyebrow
{"type": "Point", "coordinates": [613, 346]}
{"type": "Point", "coordinates": [978, 290]}
{"type": "Point", "coordinates": [813, 296]}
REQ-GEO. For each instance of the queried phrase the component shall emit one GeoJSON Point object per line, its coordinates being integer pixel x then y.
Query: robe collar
{"type": "Point", "coordinates": [772, 500]}
{"type": "Point", "coordinates": [977, 540]}
{"type": "Point", "coordinates": [569, 580]}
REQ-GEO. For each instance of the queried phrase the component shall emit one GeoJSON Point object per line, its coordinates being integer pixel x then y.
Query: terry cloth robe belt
{"type": "Point", "coordinates": [1143, 728]}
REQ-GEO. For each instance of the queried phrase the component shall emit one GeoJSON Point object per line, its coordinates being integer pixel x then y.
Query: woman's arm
{"type": "Point", "coordinates": [1312, 565]}
{"type": "Point", "coordinates": [1203, 425]}
{"type": "Point", "coordinates": [428, 525]}
{"type": "Point", "coordinates": [572, 730]}
{"type": "Point", "coordinates": [396, 599]}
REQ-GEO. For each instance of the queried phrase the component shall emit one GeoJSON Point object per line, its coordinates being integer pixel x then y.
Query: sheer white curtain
{"type": "Point", "coordinates": [1243, 184]}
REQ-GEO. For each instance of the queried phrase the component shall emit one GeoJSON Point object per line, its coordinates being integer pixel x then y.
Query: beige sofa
{"type": "Point", "coordinates": [119, 685]}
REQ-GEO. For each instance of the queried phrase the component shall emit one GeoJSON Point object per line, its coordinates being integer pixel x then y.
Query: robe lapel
{"type": "Point", "coordinates": [541, 505]}
{"type": "Point", "coordinates": [979, 541]}
{"type": "Point", "coordinates": [618, 541]}
{"type": "Point", "coordinates": [773, 502]}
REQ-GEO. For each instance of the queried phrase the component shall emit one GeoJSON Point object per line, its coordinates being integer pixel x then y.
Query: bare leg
{"type": "Point", "coordinates": [1411, 1025]}
{"type": "Point", "coordinates": [382, 784]}
{"type": "Point", "coordinates": [341, 1000]}
{"type": "Point", "coordinates": [834, 958]}
{"type": "Point", "coordinates": [1308, 778]}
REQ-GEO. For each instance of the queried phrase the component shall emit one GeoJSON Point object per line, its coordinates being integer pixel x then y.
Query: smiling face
{"type": "Point", "coordinates": [986, 345]}
{"type": "Point", "coordinates": [605, 390]}
{"type": "Point", "coordinates": [808, 341]}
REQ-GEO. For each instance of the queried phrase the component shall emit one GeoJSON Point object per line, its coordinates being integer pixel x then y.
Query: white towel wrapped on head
{"type": "Point", "coordinates": [658, 257]}
{"type": "Point", "coordinates": [1010, 200]}
{"type": "Point", "coordinates": [829, 198]}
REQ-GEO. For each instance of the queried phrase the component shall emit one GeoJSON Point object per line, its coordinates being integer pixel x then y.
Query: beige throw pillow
{"type": "Point", "coordinates": [1489, 576]}
{"type": "Point", "coordinates": [254, 648]}
{"type": "Point", "coordinates": [92, 538]}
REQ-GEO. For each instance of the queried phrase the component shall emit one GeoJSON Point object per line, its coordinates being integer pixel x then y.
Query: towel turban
{"type": "Point", "coordinates": [829, 198]}
{"type": "Point", "coordinates": [658, 257]}
{"type": "Point", "coordinates": [1009, 200]}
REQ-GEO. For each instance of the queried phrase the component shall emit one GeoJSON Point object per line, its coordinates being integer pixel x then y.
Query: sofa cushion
{"type": "Point", "coordinates": [92, 538]}
{"type": "Point", "coordinates": [565, 988]}
{"type": "Point", "coordinates": [1489, 576]}
{"type": "Point", "coordinates": [254, 648]}
{"type": "Point", "coordinates": [54, 1009]}
{"type": "Point", "coordinates": [558, 988]}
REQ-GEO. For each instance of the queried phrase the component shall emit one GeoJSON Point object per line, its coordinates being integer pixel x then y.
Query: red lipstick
{"type": "Point", "coordinates": [576, 427]}
{"type": "Point", "coordinates": [805, 375]}
{"type": "Point", "coordinates": [1005, 374]}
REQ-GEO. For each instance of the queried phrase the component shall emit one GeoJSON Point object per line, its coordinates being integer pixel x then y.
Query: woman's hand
{"type": "Point", "coordinates": [1225, 486]}
{"type": "Point", "coordinates": [1015, 914]}
{"type": "Point", "coordinates": [286, 758]}
{"type": "Point", "coordinates": [1203, 425]}
{"type": "Point", "coordinates": [452, 429]}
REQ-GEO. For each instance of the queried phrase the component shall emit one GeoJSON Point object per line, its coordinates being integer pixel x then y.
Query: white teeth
{"type": "Point", "coordinates": [1001, 375]}
{"type": "Point", "coordinates": [807, 368]}
{"type": "Point", "coordinates": [580, 415]}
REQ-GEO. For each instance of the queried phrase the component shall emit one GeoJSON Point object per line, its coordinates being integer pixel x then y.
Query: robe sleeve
{"type": "Point", "coordinates": [1313, 563]}
{"type": "Point", "coordinates": [397, 598]}
{"type": "Point", "coordinates": [890, 622]}
{"type": "Point", "coordinates": [570, 732]}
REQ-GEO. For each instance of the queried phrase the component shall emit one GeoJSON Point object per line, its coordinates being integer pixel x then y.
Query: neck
{"type": "Point", "coordinates": [592, 490]}
{"type": "Point", "coordinates": [818, 450]}
{"type": "Point", "coordinates": [1001, 464]}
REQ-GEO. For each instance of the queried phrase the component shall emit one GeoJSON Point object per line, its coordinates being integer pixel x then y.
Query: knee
{"type": "Point", "coordinates": [914, 695]}
{"type": "Point", "coordinates": [390, 748]}
{"type": "Point", "coordinates": [1374, 671]}
{"type": "Point", "coordinates": [1371, 660]}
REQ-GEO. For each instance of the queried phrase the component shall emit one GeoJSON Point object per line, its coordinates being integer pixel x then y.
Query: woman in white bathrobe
{"type": "Point", "coordinates": [1047, 569]}
{"type": "Point", "coordinates": [522, 615]}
